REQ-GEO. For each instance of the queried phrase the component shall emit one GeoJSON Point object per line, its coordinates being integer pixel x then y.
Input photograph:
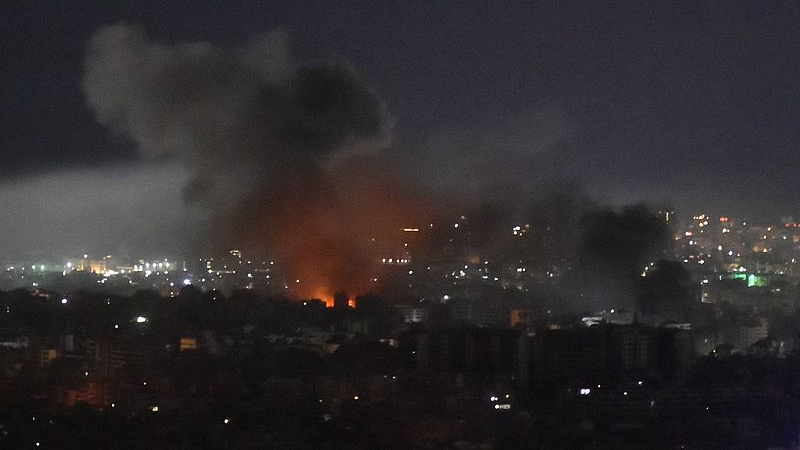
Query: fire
{"type": "Point", "coordinates": [326, 296]}
{"type": "Point", "coordinates": [330, 229]}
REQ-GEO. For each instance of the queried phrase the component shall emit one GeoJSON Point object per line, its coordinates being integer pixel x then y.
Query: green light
{"type": "Point", "coordinates": [752, 279]}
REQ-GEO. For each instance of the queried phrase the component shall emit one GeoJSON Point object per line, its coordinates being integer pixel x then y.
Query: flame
{"type": "Point", "coordinates": [330, 229]}
{"type": "Point", "coordinates": [326, 296]}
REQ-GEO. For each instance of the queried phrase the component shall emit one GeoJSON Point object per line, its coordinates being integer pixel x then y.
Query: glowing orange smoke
{"type": "Point", "coordinates": [324, 295]}
{"type": "Point", "coordinates": [329, 230]}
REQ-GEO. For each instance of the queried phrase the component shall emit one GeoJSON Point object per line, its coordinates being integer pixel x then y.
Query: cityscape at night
{"type": "Point", "coordinates": [400, 225]}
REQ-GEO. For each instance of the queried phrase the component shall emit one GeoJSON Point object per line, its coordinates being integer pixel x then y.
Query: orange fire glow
{"type": "Point", "coordinates": [326, 296]}
{"type": "Point", "coordinates": [330, 230]}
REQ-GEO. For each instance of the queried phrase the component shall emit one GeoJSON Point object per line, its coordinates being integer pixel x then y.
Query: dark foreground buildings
{"type": "Point", "coordinates": [202, 370]}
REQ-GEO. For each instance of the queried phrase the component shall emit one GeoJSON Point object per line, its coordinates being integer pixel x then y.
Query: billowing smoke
{"type": "Point", "coordinates": [240, 119]}
{"type": "Point", "coordinates": [615, 248]}
{"type": "Point", "coordinates": [275, 151]}
{"type": "Point", "coordinates": [290, 160]}
{"type": "Point", "coordinates": [597, 253]}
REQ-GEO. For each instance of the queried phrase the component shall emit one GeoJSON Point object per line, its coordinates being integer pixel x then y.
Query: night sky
{"type": "Point", "coordinates": [692, 103]}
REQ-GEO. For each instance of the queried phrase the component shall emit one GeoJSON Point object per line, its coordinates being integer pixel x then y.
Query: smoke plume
{"type": "Point", "coordinates": [290, 160]}
{"type": "Point", "coordinates": [614, 249]}
{"type": "Point", "coordinates": [274, 149]}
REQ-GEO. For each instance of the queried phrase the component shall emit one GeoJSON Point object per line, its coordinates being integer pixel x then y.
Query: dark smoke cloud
{"type": "Point", "coordinates": [493, 174]}
{"type": "Point", "coordinates": [623, 240]}
{"type": "Point", "coordinates": [613, 249]}
{"type": "Point", "coordinates": [262, 137]}
{"type": "Point", "coordinates": [285, 158]}
{"type": "Point", "coordinates": [243, 120]}
{"type": "Point", "coordinates": [508, 173]}
{"type": "Point", "coordinates": [597, 251]}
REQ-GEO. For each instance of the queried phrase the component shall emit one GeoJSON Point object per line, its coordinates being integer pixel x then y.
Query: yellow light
{"type": "Point", "coordinates": [154, 408]}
